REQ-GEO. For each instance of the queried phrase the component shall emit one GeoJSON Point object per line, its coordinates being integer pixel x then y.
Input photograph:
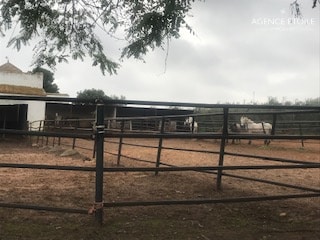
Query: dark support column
{"type": "Point", "coordinates": [192, 125]}
{"type": "Point", "coordinates": [4, 123]}
{"type": "Point", "coordinates": [274, 122]}
{"type": "Point", "coordinates": [160, 144]}
{"type": "Point", "coordinates": [74, 139]}
{"type": "Point", "coordinates": [94, 148]}
{"type": "Point", "coordinates": [98, 206]}
{"type": "Point", "coordinates": [120, 143]}
{"type": "Point", "coordinates": [222, 145]}
{"type": "Point", "coordinates": [300, 131]}
{"type": "Point", "coordinates": [39, 130]}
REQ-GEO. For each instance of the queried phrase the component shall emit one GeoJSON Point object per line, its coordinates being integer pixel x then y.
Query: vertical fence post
{"type": "Point", "coordinates": [42, 137]}
{"type": "Point", "coordinates": [300, 131]}
{"type": "Point", "coordinates": [222, 145]}
{"type": "Point", "coordinates": [99, 163]}
{"type": "Point", "coordinates": [59, 138]}
{"type": "Point", "coordinates": [74, 139]}
{"type": "Point", "coordinates": [39, 130]}
{"type": "Point", "coordinates": [274, 122]}
{"type": "Point", "coordinates": [160, 144]}
{"type": "Point", "coordinates": [94, 148]}
{"type": "Point", "coordinates": [192, 125]}
{"type": "Point", "coordinates": [4, 124]}
{"type": "Point", "coordinates": [120, 143]}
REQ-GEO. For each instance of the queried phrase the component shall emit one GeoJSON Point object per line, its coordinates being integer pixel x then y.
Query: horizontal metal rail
{"type": "Point", "coordinates": [208, 136]}
{"type": "Point", "coordinates": [164, 169]}
{"type": "Point", "coordinates": [47, 134]}
{"type": "Point", "coordinates": [114, 102]}
{"type": "Point", "coordinates": [108, 134]}
{"type": "Point", "coordinates": [254, 179]}
{"type": "Point", "coordinates": [191, 150]}
{"type": "Point", "coordinates": [48, 167]}
{"type": "Point", "coordinates": [244, 167]}
{"type": "Point", "coordinates": [137, 159]}
{"type": "Point", "coordinates": [163, 202]}
{"type": "Point", "coordinates": [270, 182]}
{"type": "Point", "coordinates": [210, 201]}
{"type": "Point", "coordinates": [203, 115]}
{"type": "Point", "coordinates": [268, 158]}
{"type": "Point", "coordinates": [139, 145]}
{"type": "Point", "coordinates": [171, 148]}
{"type": "Point", "coordinates": [43, 208]}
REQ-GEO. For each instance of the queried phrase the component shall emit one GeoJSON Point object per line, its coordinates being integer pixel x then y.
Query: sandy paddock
{"type": "Point", "coordinates": [76, 189]}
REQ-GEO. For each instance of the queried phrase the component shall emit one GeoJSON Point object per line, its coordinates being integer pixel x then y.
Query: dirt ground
{"type": "Point", "coordinates": [281, 219]}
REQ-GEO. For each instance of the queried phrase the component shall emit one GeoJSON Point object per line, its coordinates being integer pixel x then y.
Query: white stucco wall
{"type": "Point", "coordinates": [22, 79]}
{"type": "Point", "coordinates": [36, 112]}
{"type": "Point", "coordinates": [36, 109]}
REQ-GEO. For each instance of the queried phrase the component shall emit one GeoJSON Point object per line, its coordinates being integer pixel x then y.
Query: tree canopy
{"type": "Point", "coordinates": [92, 94]}
{"type": "Point", "coordinates": [97, 94]}
{"type": "Point", "coordinates": [48, 79]}
{"type": "Point", "coordinates": [67, 28]}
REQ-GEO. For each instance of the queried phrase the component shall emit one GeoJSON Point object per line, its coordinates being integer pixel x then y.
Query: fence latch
{"type": "Point", "coordinates": [96, 206]}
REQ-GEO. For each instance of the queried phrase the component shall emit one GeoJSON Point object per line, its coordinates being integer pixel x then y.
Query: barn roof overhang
{"type": "Point", "coordinates": [21, 90]}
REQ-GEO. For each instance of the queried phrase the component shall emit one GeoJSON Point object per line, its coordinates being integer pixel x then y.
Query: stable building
{"type": "Point", "coordinates": [21, 114]}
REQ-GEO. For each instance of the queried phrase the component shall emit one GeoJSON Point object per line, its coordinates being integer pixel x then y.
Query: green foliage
{"type": "Point", "coordinates": [67, 28]}
{"type": "Point", "coordinates": [48, 79]}
{"type": "Point", "coordinates": [313, 102]}
{"type": "Point", "coordinates": [92, 94]}
{"type": "Point", "coordinates": [152, 22]}
{"type": "Point", "coordinates": [114, 97]}
{"type": "Point", "coordinates": [308, 102]}
{"type": "Point", "coordinates": [97, 94]}
{"type": "Point", "coordinates": [273, 101]}
{"type": "Point", "coordinates": [295, 8]}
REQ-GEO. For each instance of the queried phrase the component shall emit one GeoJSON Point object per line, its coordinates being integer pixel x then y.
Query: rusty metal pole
{"type": "Point", "coordinates": [98, 206]}
{"type": "Point", "coordinates": [222, 145]}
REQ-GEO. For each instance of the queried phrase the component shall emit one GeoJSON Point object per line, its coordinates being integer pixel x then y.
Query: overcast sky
{"type": "Point", "coordinates": [243, 51]}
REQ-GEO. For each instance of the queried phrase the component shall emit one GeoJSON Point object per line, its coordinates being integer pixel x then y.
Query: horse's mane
{"type": "Point", "coordinates": [246, 120]}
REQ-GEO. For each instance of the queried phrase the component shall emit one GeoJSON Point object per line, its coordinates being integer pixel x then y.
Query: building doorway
{"type": "Point", "coordinates": [14, 116]}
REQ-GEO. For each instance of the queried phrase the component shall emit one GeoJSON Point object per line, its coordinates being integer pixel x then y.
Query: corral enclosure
{"type": "Point", "coordinates": [166, 175]}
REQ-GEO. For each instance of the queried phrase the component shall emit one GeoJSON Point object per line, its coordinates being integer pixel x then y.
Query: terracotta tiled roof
{"type": "Point", "coordinates": [8, 67]}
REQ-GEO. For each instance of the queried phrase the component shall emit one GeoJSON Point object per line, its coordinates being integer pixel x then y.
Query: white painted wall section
{"type": "Point", "coordinates": [22, 79]}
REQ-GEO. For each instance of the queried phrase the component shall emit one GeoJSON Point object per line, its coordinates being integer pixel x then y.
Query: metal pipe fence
{"type": "Point", "coordinates": [216, 128]}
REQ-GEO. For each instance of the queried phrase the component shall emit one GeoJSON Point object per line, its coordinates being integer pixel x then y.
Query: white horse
{"type": "Point", "coordinates": [193, 125]}
{"type": "Point", "coordinates": [256, 128]}
{"type": "Point", "coordinates": [57, 120]}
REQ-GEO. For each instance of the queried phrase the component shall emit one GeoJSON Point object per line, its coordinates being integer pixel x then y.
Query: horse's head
{"type": "Point", "coordinates": [188, 121]}
{"type": "Point", "coordinates": [243, 120]}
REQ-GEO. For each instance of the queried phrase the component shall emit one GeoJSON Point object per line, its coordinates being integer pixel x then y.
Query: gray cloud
{"type": "Point", "coordinates": [230, 59]}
